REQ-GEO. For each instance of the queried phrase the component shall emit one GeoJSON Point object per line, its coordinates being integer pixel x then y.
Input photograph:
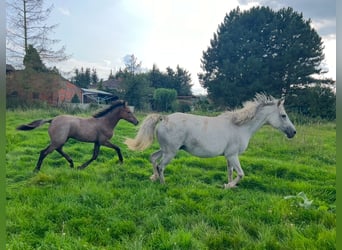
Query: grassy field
{"type": "Point", "coordinates": [287, 199]}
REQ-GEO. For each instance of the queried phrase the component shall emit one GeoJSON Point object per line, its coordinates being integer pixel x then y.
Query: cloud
{"type": "Point", "coordinates": [107, 62]}
{"type": "Point", "coordinates": [165, 33]}
{"type": "Point", "coordinates": [64, 11]}
{"type": "Point", "coordinates": [317, 10]}
{"type": "Point", "coordinates": [330, 55]}
{"type": "Point", "coordinates": [67, 68]}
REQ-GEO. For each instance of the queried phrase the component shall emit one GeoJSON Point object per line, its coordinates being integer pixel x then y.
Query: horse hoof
{"type": "Point", "coordinates": [229, 186]}
{"type": "Point", "coordinates": [153, 177]}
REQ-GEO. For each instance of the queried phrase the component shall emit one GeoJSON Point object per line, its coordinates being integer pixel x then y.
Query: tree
{"type": "Point", "coordinates": [315, 101]}
{"type": "Point", "coordinates": [27, 24]}
{"type": "Point", "coordinates": [131, 64]}
{"type": "Point", "coordinates": [180, 80]}
{"type": "Point", "coordinates": [32, 60]}
{"type": "Point", "coordinates": [136, 90]}
{"type": "Point", "coordinates": [158, 79]}
{"type": "Point", "coordinates": [260, 50]}
{"type": "Point", "coordinates": [82, 78]}
{"type": "Point", "coordinates": [111, 76]}
{"type": "Point", "coordinates": [94, 77]}
{"type": "Point", "coordinates": [183, 81]}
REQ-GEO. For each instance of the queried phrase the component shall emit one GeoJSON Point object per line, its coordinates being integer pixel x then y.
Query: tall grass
{"type": "Point", "coordinates": [112, 206]}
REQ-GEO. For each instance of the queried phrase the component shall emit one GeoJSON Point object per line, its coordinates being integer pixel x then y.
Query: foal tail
{"type": "Point", "coordinates": [145, 135]}
{"type": "Point", "coordinates": [33, 125]}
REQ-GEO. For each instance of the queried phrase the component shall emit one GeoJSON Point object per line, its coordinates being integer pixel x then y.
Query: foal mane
{"type": "Point", "coordinates": [113, 106]}
{"type": "Point", "coordinates": [250, 109]}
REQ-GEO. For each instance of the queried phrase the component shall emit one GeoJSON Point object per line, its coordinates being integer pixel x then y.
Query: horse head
{"type": "Point", "coordinates": [280, 120]}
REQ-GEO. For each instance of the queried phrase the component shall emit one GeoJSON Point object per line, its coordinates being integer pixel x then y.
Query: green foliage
{"type": "Point", "coordinates": [180, 80]}
{"type": "Point", "coordinates": [183, 106]}
{"type": "Point", "coordinates": [260, 50]}
{"type": "Point", "coordinates": [139, 88]}
{"type": "Point", "coordinates": [75, 99]}
{"type": "Point", "coordinates": [136, 90]}
{"type": "Point", "coordinates": [94, 79]}
{"type": "Point", "coordinates": [314, 102]}
{"type": "Point", "coordinates": [82, 78]}
{"type": "Point", "coordinates": [32, 60]}
{"type": "Point", "coordinates": [301, 199]}
{"type": "Point", "coordinates": [112, 206]}
{"type": "Point", "coordinates": [164, 99]}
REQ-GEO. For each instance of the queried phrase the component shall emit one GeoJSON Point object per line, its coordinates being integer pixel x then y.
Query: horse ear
{"type": "Point", "coordinates": [281, 101]}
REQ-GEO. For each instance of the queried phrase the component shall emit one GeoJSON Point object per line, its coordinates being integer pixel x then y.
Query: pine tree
{"type": "Point", "coordinates": [260, 50]}
{"type": "Point", "coordinates": [32, 60]}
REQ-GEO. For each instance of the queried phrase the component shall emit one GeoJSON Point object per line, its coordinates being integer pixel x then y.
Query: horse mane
{"type": "Point", "coordinates": [250, 108]}
{"type": "Point", "coordinates": [113, 106]}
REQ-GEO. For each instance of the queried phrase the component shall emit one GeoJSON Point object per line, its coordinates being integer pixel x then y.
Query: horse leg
{"type": "Point", "coordinates": [230, 172]}
{"type": "Point", "coordinates": [117, 149]}
{"type": "Point", "coordinates": [234, 163]}
{"type": "Point", "coordinates": [66, 156]}
{"type": "Point", "coordinates": [95, 154]}
{"type": "Point", "coordinates": [42, 155]}
{"type": "Point", "coordinates": [167, 157]}
{"type": "Point", "coordinates": [153, 158]}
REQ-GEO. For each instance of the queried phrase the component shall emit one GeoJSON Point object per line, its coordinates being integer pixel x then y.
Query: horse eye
{"type": "Point", "coordinates": [283, 116]}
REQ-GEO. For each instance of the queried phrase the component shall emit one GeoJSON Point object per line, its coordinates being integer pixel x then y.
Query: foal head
{"type": "Point", "coordinates": [127, 114]}
{"type": "Point", "coordinates": [116, 111]}
{"type": "Point", "coordinates": [279, 119]}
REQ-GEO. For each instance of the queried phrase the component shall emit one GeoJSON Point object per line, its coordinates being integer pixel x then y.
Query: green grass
{"type": "Point", "coordinates": [113, 206]}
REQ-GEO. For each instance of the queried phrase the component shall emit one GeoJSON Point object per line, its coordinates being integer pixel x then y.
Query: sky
{"type": "Point", "coordinates": [99, 34]}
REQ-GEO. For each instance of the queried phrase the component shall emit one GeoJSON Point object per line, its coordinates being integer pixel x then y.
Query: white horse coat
{"type": "Point", "coordinates": [227, 134]}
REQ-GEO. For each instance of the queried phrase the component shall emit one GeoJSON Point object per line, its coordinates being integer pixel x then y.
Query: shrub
{"type": "Point", "coordinates": [164, 99]}
{"type": "Point", "coordinates": [313, 102]}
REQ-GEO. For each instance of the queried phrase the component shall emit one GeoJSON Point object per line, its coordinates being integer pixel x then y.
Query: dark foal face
{"type": "Point", "coordinates": [127, 115]}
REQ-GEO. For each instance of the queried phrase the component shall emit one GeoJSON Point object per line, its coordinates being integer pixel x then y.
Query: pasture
{"type": "Point", "coordinates": [287, 199]}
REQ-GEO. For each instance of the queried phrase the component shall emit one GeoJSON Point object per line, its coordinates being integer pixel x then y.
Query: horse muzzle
{"type": "Point", "coordinates": [290, 133]}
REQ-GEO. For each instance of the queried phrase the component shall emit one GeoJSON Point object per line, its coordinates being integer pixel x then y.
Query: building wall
{"type": "Point", "coordinates": [67, 92]}
{"type": "Point", "coordinates": [27, 87]}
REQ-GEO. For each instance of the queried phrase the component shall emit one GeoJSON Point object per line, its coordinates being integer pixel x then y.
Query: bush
{"type": "Point", "coordinates": [183, 107]}
{"type": "Point", "coordinates": [75, 99]}
{"type": "Point", "coordinates": [313, 102]}
{"type": "Point", "coordinates": [164, 99]}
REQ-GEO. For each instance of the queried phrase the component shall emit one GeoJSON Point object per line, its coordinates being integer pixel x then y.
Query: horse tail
{"type": "Point", "coordinates": [145, 135]}
{"type": "Point", "coordinates": [33, 125]}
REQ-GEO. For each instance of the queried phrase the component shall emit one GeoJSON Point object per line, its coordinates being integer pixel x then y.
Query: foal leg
{"type": "Point", "coordinates": [234, 163]}
{"type": "Point", "coordinates": [42, 155]}
{"type": "Point", "coordinates": [153, 158]}
{"type": "Point", "coordinates": [117, 149]}
{"type": "Point", "coordinates": [66, 156]}
{"type": "Point", "coordinates": [95, 154]}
